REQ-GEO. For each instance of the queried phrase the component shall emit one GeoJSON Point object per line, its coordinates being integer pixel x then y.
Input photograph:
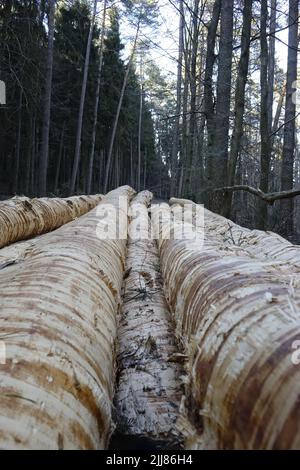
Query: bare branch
{"type": "Point", "coordinates": [269, 198]}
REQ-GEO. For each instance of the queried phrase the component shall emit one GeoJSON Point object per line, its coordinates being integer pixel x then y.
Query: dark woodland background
{"type": "Point", "coordinates": [227, 117]}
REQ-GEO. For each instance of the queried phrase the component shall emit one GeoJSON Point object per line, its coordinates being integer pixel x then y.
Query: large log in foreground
{"type": "Point", "coordinates": [58, 311]}
{"type": "Point", "coordinates": [149, 364]}
{"type": "Point", "coordinates": [22, 218]}
{"type": "Point", "coordinates": [239, 320]}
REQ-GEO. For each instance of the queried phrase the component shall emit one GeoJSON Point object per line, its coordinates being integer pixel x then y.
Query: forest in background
{"type": "Point", "coordinates": [80, 118]}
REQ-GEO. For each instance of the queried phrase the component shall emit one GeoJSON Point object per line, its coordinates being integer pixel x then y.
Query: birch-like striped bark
{"type": "Point", "coordinates": [265, 246]}
{"type": "Point", "coordinates": [58, 318]}
{"type": "Point", "coordinates": [238, 318]}
{"type": "Point", "coordinates": [149, 390]}
{"type": "Point", "coordinates": [22, 218]}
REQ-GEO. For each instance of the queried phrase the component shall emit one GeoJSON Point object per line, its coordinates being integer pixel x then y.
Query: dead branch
{"type": "Point", "coordinates": [269, 198]}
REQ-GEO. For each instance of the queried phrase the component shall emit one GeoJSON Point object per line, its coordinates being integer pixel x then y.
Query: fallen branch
{"type": "Point", "coordinates": [269, 198]}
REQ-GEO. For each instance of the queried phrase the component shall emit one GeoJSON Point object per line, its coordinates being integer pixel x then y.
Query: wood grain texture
{"type": "Point", "coordinates": [58, 319]}
{"type": "Point", "coordinates": [21, 217]}
{"type": "Point", "coordinates": [265, 246]}
{"type": "Point", "coordinates": [238, 316]}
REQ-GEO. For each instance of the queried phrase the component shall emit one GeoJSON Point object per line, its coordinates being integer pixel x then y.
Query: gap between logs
{"type": "Point", "coordinates": [149, 391]}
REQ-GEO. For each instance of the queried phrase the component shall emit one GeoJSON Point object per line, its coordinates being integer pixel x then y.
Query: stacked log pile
{"type": "Point", "coordinates": [69, 296]}
{"type": "Point", "coordinates": [239, 319]}
{"type": "Point", "coordinates": [22, 218]}
{"type": "Point", "coordinates": [149, 363]}
{"type": "Point", "coordinates": [58, 320]}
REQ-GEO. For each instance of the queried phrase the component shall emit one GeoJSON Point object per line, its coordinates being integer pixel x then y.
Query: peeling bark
{"type": "Point", "coordinates": [58, 319]}
{"type": "Point", "coordinates": [265, 246]}
{"type": "Point", "coordinates": [238, 318]}
{"type": "Point", "coordinates": [149, 365]}
{"type": "Point", "coordinates": [22, 218]}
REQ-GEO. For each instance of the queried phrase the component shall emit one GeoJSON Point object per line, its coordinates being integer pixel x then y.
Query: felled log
{"type": "Point", "coordinates": [17, 252]}
{"type": "Point", "coordinates": [256, 243]}
{"type": "Point", "coordinates": [22, 218]}
{"type": "Point", "coordinates": [149, 364]}
{"type": "Point", "coordinates": [239, 321]}
{"type": "Point", "coordinates": [58, 318]}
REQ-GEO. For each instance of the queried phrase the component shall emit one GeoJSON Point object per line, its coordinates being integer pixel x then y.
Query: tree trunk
{"type": "Point", "coordinates": [18, 144]}
{"type": "Point", "coordinates": [131, 163]}
{"type": "Point", "coordinates": [44, 155]}
{"type": "Point", "coordinates": [60, 154]}
{"type": "Point", "coordinates": [208, 84]}
{"type": "Point", "coordinates": [116, 121]}
{"type": "Point", "coordinates": [82, 103]}
{"type": "Point", "coordinates": [286, 207]}
{"type": "Point", "coordinates": [183, 150]}
{"type": "Point", "coordinates": [175, 143]}
{"type": "Point", "coordinates": [220, 142]}
{"type": "Point", "coordinates": [239, 106]}
{"type": "Point", "coordinates": [97, 99]}
{"type": "Point", "coordinates": [140, 130]}
{"type": "Point", "coordinates": [193, 95]}
{"type": "Point", "coordinates": [30, 154]}
{"type": "Point", "coordinates": [271, 65]}
{"type": "Point", "coordinates": [262, 213]}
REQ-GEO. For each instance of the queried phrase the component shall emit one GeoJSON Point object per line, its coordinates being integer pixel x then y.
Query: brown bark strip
{"type": "Point", "coordinates": [238, 318]}
{"type": "Point", "coordinates": [149, 364]}
{"type": "Point", "coordinates": [58, 319]}
{"type": "Point", "coordinates": [21, 217]}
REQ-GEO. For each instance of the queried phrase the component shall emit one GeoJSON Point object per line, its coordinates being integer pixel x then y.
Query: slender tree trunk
{"type": "Point", "coordinates": [140, 129]}
{"type": "Point", "coordinates": [264, 117]}
{"type": "Point", "coordinates": [31, 157]}
{"type": "Point", "coordinates": [183, 147]}
{"type": "Point", "coordinates": [193, 90]}
{"type": "Point", "coordinates": [131, 163]}
{"type": "Point", "coordinates": [239, 107]}
{"type": "Point", "coordinates": [44, 155]}
{"type": "Point", "coordinates": [271, 71]}
{"type": "Point", "coordinates": [208, 87]}
{"type": "Point", "coordinates": [145, 169]}
{"type": "Point", "coordinates": [290, 113]}
{"type": "Point", "coordinates": [18, 144]}
{"type": "Point", "coordinates": [82, 102]}
{"type": "Point", "coordinates": [175, 144]}
{"type": "Point", "coordinates": [60, 154]}
{"type": "Point", "coordinates": [34, 158]}
{"type": "Point", "coordinates": [116, 121]}
{"type": "Point", "coordinates": [96, 109]}
{"type": "Point", "coordinates": [198, 140]}
{"type": "Point", "coordinates": [220, 143]}
{"type": "Point", "coordinates": [277, 113]}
